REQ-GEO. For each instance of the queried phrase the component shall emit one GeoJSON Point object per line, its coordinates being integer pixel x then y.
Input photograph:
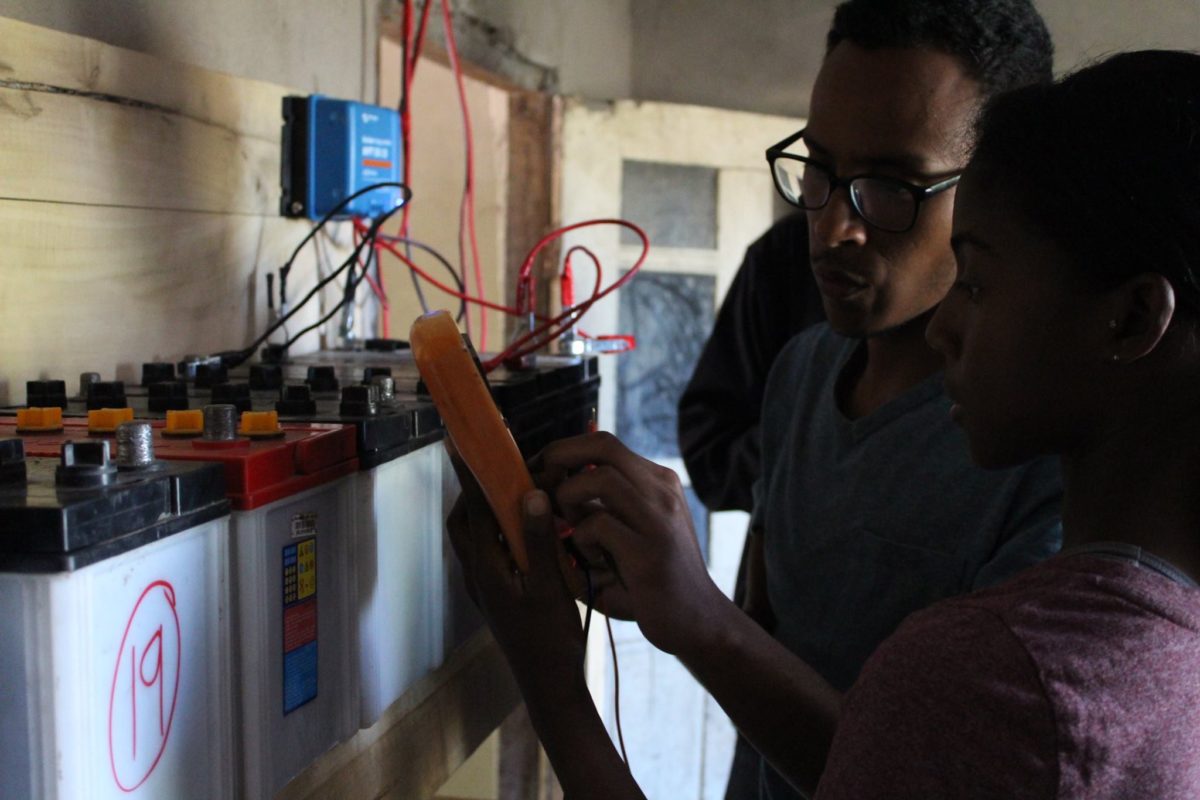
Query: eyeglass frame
{"type": "Point", "coordinates": [919, 193]}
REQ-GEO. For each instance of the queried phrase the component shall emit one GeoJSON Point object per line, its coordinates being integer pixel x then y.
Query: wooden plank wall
{"type": "Point", "coordinates": [138, 218]}
{"type": "Point", "coordinates": [138, 209]}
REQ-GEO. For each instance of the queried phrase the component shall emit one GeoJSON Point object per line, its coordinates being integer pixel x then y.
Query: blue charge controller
{"type": "Point", "coordinates": [332, 149]}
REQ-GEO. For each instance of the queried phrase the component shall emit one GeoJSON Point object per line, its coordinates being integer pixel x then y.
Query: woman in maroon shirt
{"type": "Point", "coordinates": [1073, 328]}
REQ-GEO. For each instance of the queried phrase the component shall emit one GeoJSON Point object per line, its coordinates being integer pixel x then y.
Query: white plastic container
{"type": "Point", "coordinates": [398, 526]}
{"type": "Point", "coordinates": [460, 618]}
{"type": "Point", "coordinates": [292, 591]}
{"type": "Point", "coordinates": [115, 673]}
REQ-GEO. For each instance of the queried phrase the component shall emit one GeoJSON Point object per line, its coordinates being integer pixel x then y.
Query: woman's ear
{"type": "Point", "coordinates": [1142, 310]}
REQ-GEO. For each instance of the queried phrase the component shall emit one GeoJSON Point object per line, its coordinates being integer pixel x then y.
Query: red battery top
{"type": "Point", "coordinates": [257, 471]}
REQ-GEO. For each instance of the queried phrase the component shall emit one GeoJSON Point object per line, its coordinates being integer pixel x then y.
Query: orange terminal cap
{"type": "Point", "coordinates": [260, 424]}
{"type": "Point", "coordinates": [106, 420]}
{"type": "Point", "coordinates": [184, 423]}
{"type": "Point", "coordinates": [39, 420]}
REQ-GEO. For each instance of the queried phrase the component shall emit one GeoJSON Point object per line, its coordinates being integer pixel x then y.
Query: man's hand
{"type": "Point", "coordinates": [633, 526]}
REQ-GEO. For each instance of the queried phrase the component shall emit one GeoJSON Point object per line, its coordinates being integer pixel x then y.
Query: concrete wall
{"type": "Point", "coordinates": [762, 55]}
{"type": "Point", "coordinates": [572, 46]}
{"type": "Point", "coordinates": [311, 45]}
{"type": "Point", "coordinates": [584, 46]}
{"type": "Point", "coordinates": [752, 55]}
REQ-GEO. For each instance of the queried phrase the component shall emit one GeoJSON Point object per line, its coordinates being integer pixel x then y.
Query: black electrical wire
{"type": "Point", "coordinates": [287, 265]}
{"type": "Point", "coordinates": [587, 625]}
{"type": "Point", "coordinates": [591, 598]}
{"type": "Point", "coordinates": [616, 690]}
{"type": "Point", "coordinates": [352, 281]}
{"type": "Point", "coordinates": [238, 357]}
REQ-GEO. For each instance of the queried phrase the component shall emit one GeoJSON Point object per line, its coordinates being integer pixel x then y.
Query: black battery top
{"type": "Point", "coordinates": [62, 514]}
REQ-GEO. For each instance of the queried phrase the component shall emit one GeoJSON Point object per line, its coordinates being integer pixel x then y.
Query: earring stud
{"type": "Point", "coordinates": [1112, 324]}
{"type": "Point", "coordinates": [1116, 358]}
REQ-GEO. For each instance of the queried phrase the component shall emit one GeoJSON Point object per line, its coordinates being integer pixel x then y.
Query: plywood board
{"type": "Point", "coordinates": [138, 211]}
{"type": "Point", "coordinates": [438, 156]}
{"type": "Point", "coordinates": [39, 58]}
{"type": "Point", "coordinates": [70, 149]}
{"type": "Point", "coordinates": [95, 288]}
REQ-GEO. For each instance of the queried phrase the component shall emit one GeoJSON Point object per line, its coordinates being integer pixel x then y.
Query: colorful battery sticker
{"type": "Point", "coordinates": [299, 623]}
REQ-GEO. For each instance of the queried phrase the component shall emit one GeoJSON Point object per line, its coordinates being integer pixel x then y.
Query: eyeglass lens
{"type": "Point", "coordinates": [881, 203]}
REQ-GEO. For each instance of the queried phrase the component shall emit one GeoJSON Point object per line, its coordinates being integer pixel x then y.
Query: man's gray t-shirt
{"type": "Point", "coordinates": [865, 521]}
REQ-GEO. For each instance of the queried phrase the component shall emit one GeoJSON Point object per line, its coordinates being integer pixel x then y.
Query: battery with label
{"type": "Point", "coordinates": [115, 673]}
{"type": "Point", "coordinates": [291, 488]}
{"type": "Point", "coordinates": [412, 605]}
{"type": "Point", "coordinates": [399, 515]}
{"type": "Point", "coordinates": [397, 507]}
{"type": "Point", "coordinates": [551, 398]}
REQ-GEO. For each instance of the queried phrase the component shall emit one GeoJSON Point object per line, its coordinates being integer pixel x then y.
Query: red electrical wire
{"type": "Point", "coordinates": [420, 39]}
{"type": "Point", "coordinates": [466, 215]}
{"type": "Point", "coordinates": [531, 341]}
{"type": "Point", "coordinates": [567, 269]}
{"type": "Point", "coordinates": [526, 283]}
{"type": "Point", "coordinates": [566, 282]}
{"type": "Point", "coordinates": [409, 53]}
{"type": "Point", "coordinates": [567, 298]}
{"type": "Point", "coordinates": [551, 327]}
{"type": "Point", "coordinates": [405, 123]}
{"type": "Point", "coordinates": [567, 286]}
{"type": "Point", "coordinates": [391, 248]}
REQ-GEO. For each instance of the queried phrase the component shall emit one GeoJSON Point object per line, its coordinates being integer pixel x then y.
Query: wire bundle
{"type": "Point", "coordinates": [367, 242]}
{"type": "Point", "coordinates": [549, 327]}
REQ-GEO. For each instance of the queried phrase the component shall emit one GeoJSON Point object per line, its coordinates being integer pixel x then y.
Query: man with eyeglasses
{"type": "Point", "coordinates": [867, 507]}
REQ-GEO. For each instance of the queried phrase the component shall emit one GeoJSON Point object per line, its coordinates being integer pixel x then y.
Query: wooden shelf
{"type": "Point", "coordinates": [423, 737]}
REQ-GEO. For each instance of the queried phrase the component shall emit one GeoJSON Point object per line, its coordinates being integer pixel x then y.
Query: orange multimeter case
{"type": "Point", "coordinates": [457, 386]}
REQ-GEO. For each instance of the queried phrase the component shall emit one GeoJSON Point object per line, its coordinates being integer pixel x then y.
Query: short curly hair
{"type": "Point", "coordinates": [1003, 44]}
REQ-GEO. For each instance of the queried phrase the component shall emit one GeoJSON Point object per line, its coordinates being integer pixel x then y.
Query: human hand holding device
{"type": "Point", "coordinates": [536, 622]}
{"type": "Point", "coordinates": [532, 614]}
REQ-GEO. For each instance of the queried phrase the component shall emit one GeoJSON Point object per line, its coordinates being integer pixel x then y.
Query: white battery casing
{"type": "Point", "coordinates": [398, 524]}
{"type": "Point", "coordinates": [115, 678]}
{"type": "Point", "coordinates": [460, 617]}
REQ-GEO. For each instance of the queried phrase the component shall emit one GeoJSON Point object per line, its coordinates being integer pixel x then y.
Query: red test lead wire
{"type": "Point", "coordinates": [554, 327]}
{"type": "Point", "coordinates": [466, 216]}
{"type": "Point", "coordinates": [551, 327]}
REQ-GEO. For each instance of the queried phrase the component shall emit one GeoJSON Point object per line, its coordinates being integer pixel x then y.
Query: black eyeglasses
{"type": "Point", "coordinates": [886, 203]}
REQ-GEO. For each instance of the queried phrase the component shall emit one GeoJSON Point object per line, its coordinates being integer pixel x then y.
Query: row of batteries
{"type": "Point", "coordinates": [207, 583]}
